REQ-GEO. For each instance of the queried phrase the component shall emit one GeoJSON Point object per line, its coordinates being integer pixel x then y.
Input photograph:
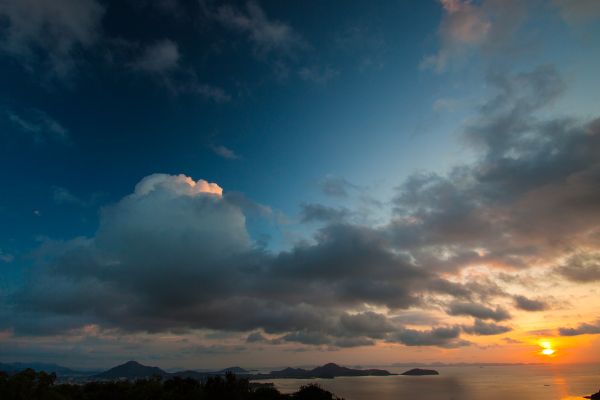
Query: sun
{"type": "Point", "coordinates": [547, 349]}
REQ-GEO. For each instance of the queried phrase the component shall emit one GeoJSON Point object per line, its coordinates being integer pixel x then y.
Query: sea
{"type": "Point", "coordinates": [514, 382]}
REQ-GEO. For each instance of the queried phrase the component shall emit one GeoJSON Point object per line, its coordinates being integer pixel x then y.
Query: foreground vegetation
{"type": "Point", "coordinates": [31, 385]}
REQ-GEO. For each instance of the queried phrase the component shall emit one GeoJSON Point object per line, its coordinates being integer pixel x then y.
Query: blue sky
{"type": "Point", "coordinates": [275, 102]}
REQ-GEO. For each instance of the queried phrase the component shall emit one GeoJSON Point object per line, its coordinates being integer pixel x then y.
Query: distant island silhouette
{"type": "Point", "coordinates": [326, 371]}
{"type": "Point", "coordinates": [420, 372]}
{"type": "Point", "coordinates": [135, 370]}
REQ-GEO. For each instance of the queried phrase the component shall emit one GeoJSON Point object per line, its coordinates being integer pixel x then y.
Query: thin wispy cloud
{"type": "Point", "coordinates": [267, 35]}
{"type": "Point", "coordinates": [224, 152]}
{"type": "Point", "coordinates": [39, 126]}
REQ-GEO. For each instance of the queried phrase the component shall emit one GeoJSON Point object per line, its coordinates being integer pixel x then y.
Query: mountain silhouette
{"type": "Point", "coordinates": [234, 370]}
{"type": "Point", "coordinates": [205, 374]}
{"type": "Point", "coordinates": [131, 370]}
{"type": "Point", "coordinates": [36, 366]}
{"type": "Point", "coordinates": [420, 372]}
{"type": "Point", "coordinates": [330, 370]}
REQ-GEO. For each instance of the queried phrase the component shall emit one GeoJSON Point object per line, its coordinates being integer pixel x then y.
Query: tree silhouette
{"type": "Point", "coordinates": [31, 385]}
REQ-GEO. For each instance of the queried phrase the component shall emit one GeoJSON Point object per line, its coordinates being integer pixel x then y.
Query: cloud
{"type": "Point", "coordinates": [39, 126]}
{"type": "Point", "coordinates": [61, 195]}
{"type": "Point", "coordinates": [582, 329]}
{"type": "Point", "coordinates": [464, 25]}
{"type": "Point", "coordinates": [581, 267]}
{"type": "Point", "coordinates": [527, 304]}
{"type": "Point", "coordinates": [443, 337]}
{"type": "Point", "coordinates": [312, 212]}
{"type": "Point", "coordinates": [480, 327]}
{"type": "Point", "coordinates": [336, 186]}
{"type": "Point", "coordinates": [256, 337]}
{"type": "Point", "coordinates": [160, 57]}
{"type": "Point", "coordinates": [488, 26]}
{"type": "Point", "coordinates": [267, 35]}
{"type": "Point", "coordinates": [478, 311]}
{"type": "Point", "coordinates": [175, 184]}
{"type": "Point", "coordinates": [162, 62]}
{"type": "Point", "coordinates": [50, 31]}
{"type": "Point", "coordinates": [367, 323]}
{"type": "Point", "coordinates": [175, 255]}
{"type": "Point", "coordinates": [530, 196]}
{"type": "Point", "coordinates": [224, 152]}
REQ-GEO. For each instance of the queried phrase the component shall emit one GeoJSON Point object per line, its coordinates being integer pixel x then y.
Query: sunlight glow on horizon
{"type": "Point", "coordinates": [547, 349]}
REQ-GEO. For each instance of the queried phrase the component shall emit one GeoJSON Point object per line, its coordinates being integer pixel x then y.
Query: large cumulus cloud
{"type": "Point", "coordinates": [176, 255]}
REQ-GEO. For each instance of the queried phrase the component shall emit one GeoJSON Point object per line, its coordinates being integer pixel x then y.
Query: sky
{"type": "Point", "coordinates": [200, 184]}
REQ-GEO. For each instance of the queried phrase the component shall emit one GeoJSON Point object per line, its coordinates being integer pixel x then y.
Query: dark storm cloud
{"type": "Point", "coordinates": [478, 311]}
{"type": "Point", "coordinates": [582, 329]}
{"type": "Point", "coordinates": [442, 336]}
{"type": "Point", "coordinates": [482, 328]}
{"type": "Point", "coordinates": [581, 268]}
{"type": "Point", "coordinates": [175, 255]}
{"type": "Point", "coordinates": [302, 292]}
{"type": "Point", "coordinates": [528, 304]}
{"type": "Point", "coordinates": [322, 339]}
{"type": "Point", "coordinates": [368, 324]}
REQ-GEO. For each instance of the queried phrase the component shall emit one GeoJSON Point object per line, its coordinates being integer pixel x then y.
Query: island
{"type": "Point", "coordinates": [420, 372]}
{"type": "Point", "coordinates": [133, 370]}
{"type": "Point", "coordinates": [327, 371]}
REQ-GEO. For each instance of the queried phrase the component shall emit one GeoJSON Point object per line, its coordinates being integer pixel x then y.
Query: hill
{"type": "Point", "coordinates": [330, 370]}
{"type": "Point", "coordinates": [38, 367]}
{"type": "Point", "coordinates": [234, 370]}
{"type": "Point", "coordinates": [131, 370]}
{"type": "Point", "coordinates": [420, 372]}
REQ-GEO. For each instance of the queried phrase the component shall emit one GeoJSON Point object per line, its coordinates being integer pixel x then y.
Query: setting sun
{"type": "Point", "coordinates": [547, 349]}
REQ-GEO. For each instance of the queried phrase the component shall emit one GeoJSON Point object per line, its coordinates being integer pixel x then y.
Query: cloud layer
{"type": "Point", "coordinates": [176, 254]}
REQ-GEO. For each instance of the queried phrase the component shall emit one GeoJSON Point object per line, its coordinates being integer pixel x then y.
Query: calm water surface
{"type": "Point", "coordinates": [466, 383]}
